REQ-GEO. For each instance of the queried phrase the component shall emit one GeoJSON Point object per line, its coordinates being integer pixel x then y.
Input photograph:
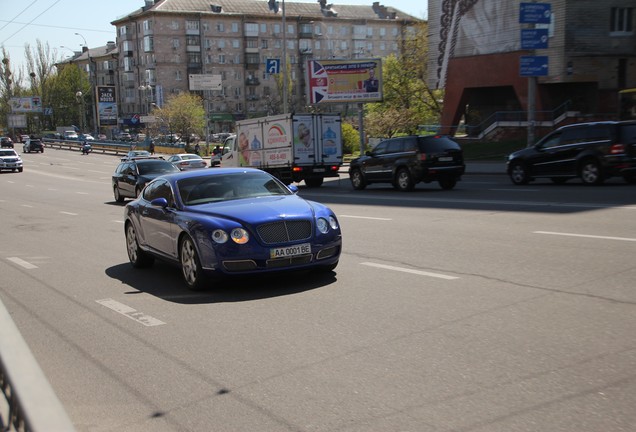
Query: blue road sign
{"type": "Point", "coordinates": [272, 66]}
{"type": "Point", "coordinates": [534, 39]}
{"type": "Point", "coordinates": [533, 66]}
{"type": "Point", "coordinates": [535, 13]}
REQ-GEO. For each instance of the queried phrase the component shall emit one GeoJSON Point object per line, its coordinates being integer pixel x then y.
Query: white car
{"type": "Point", "coordinates": [187, 161]}
{"type": "Point", "coordinates": [10, 160]}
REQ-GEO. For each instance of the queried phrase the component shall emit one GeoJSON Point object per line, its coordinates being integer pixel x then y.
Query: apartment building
{"type": "Point", "coordinates": [166, 41]}
{"type": "Point", "coordinates": [475, 51]}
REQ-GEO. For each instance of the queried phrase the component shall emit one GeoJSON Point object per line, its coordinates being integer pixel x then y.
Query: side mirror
{"type": "Point", "coordinates": [368, 153]}
{"type": "Point", "coordinates": [159, 202]}
{"type": "Point", "coordinates": [293, 188]}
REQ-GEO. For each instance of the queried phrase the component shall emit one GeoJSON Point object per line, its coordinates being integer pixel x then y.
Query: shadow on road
{"type": "Point", "coordinates": [164, 281]}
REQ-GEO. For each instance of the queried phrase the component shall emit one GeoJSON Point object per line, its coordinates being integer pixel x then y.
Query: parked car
{"type": "Point", "coordinates": [136, 154]}
{"type": "Point", "coordinates": [102, 137]}
{"type": "Point", "coordinates": [124, 136]}
{"type": "Point", "coordinates": [186, 161]}
{"type": "Point", "coordinates": [130, 177]}
{"type": "Point", "coordinates": [591, 151]}
{"type": "Point", "coordinates": [229, 221]}
{"type": "Point", "coordinates": [33, 145]}
{"type": "Point", "coordinates": [406, 161]}
{"type": "Point", "coordinates": [70, 135]}
{"type": "Point", "coordinates": [6, 142]}
{"type": "Point", "coordinates": [10, 160]}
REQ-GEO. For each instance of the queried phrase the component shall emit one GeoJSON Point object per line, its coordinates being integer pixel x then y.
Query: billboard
{"type": "Point", "coordinates": [106, 105]}
{"type": "Point", "coordinates": [338, 81]}
{"type": "Point", "coordinates": [31, 104]}
{"type": "Point", "coordinates": [205, 82]}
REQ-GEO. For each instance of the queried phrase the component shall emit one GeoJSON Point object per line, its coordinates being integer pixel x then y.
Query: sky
{"type": "Point", "coordinates": [56, 22]}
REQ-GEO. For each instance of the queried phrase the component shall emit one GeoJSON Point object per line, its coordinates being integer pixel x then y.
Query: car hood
{"type": "Point", "coordinates": [259, 210]}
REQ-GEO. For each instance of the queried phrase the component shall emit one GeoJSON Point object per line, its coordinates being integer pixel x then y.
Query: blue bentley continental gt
{"type": "Point", "coordinates": [229, 221]}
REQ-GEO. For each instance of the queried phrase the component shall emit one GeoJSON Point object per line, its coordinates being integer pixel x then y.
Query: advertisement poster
{"type": "Point", "coordinates": [331, 131]}
{"type": "Point", "coordinates": [338, 81]}
{"type": "Point", "coordinates": [250, 144]}
{"type": "Point", "coordinates": [304, 139]}
{"type": "Point", "coordinates": [31, 104]}
{"type": "Point", "coordinates": [277, 139]}
{"type": "Point", "coordinates": [106, 105]}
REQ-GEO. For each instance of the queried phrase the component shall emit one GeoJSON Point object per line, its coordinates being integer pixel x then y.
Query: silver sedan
{"type": "Point", "coordinates": [187, 161]}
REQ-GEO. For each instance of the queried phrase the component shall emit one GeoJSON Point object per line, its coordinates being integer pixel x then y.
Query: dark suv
{"type": "Point", "coordinates": [591, 151]}
{"type": "Point", "coordinates": [131, 176]}
{"type": "Point", "coordinates": [6, 142]}
{"type": "Point", "coordinates": [406, 161]}
{"type": "Point", "coordinates": [33, 145]}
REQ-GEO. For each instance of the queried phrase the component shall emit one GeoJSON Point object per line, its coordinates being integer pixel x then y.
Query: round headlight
{"type": "Point", "coordinates": [322, 225]}
{"type": "Point", "coordinates": [219, 236]}
{"type": "Point", "coordinates": [239, 235]}
{"type": "Point", "coordinates": [333, 222]}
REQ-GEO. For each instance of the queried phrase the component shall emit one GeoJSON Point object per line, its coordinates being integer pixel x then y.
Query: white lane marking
{"type": "Point", "coordinates": [82, 193]}
{"type": "Point", "coordinates": [69, 213]}
{"type": "Point", "coordinates": [118, 221]}
{"type": "Point", "coordinates": [515, 190]}
{"type": "Point", "coordinates": [131, 313]}
{"type": "Point", "coordinates": [586, 236]}
{"type": "Point", "coordinates": [26, 205]}
{"type": "Point", "coordinates": [22, 263]}
{"type": "Point", "coordinates": [364, 217]}
{"type": "Point", "coordinates": [412, 271]}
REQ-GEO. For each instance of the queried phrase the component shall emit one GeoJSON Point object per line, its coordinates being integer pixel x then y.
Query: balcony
{"type": "Point", "coordinates": [252, 81]}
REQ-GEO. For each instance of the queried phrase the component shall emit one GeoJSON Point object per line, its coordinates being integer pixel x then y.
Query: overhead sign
{"type": "Point", "coordinates": [534, 39]}
{"type": "Point", "coordinates": [533, 66]}
{"type": "Point", "coordinates": [272, 66]}
{"type": "Point", "coordinates": [339, 81]}
{"type": "Point", "coordinates": [535, 13]}
{"type": "Point", "coordinates": [205, 82]}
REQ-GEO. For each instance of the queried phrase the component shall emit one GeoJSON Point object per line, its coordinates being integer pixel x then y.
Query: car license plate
{"type": "Point", "coordinates": [445, 159]}
{"type": "Point", "coordinates": [319, 170]}
{"type": "Point", "coordinates": [288, 251]}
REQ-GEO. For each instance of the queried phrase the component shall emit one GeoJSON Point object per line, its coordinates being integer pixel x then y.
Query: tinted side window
{"type": "Point", "coordinates": [158, 189]}
{"type": "Point", "coordinates": [381, 147]}
{"type": "Point", "coordinates": [574, 135]}
{"type": "Point", "coordinates": [628, 134]}
{"type": "Point", "coordinates": [599, 133]}
{"type": "Point", "coordinates": [551, 140]}
{"type": "Point", "coordinates": [395, 145]}
{"type": "Point", "coordinates": [410, 144]}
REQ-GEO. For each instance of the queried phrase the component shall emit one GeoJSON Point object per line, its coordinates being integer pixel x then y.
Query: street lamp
{"type": "Point", "coordinates": [273, 5]}
{"type": "Point", "coordinates": [79, 97]}
{"type": "Point", "coordinates": [90, 80]}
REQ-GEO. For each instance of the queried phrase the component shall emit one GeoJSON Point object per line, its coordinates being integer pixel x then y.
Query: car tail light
{"type": "Point", "coordinates": [617, 149]}
{"type": "Point", "coordinates": [334, 168]}
{"type": "Point", "coordinates": [297, 169]}
{"type": "Point", "coordinates": [422, 156]}
{"type": "Point", "coordinates": [183, 164]}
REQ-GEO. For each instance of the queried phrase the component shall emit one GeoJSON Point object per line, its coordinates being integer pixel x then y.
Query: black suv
{"type": "Point", "coordinates": [591, 151]}
{"type": "Point", "coordinates": [33, 144]}
{"type": "Point", "coordinates": [6, 142]}
{"type": "Point", "coordinates": [130, 177]}
{"type": "Point", "coordinates": [406, 161]}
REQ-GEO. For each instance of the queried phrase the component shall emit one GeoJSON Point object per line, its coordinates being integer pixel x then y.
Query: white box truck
{"type": "Point", "coordinates": [292, 147]}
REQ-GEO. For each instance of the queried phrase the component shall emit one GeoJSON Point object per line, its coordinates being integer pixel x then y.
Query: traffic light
{"type": "Point", "coordinates": [273, 5]}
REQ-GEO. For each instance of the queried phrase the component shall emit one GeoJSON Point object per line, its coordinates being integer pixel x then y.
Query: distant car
{"type": "Point", "coordinates": [186, 161]}
{"type": "Point", "coordinates": [591, 151]}
{"type": "Point", "coordinates": [10, 160]}
{"type": "Point", "coordinates": [33, 145]}
{"type": "Point", "coordinates": [102, 137]}
{"type": "Point", "coordinates": [136, 154]}
{"type": "Point", "coordinates": [130, 177]}
{"type": "Point", "coordinates": [71, 135]}
{"type": "Point", "coordinates": [406, 161]}
{"type": "Point", "coordinates": [124, 136]}
{"type": "Point", "coordinates": [24, 138]}
{"type": "Point", "coordinates": [86, 137]}
{"type": "Point", "coordinates": [229, 221]}
{"type": "Point", "coordinates": [6, 142]}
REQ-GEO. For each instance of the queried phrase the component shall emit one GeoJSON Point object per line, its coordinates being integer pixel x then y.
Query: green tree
{"type": "Point", "coordinates": [183, 114]}
{"type": "Point", "coordinates": [350, 138]}
{"type": "Point", "coordinates": [408, 102]}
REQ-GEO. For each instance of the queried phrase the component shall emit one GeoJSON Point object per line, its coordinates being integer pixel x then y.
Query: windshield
{"type": "Point", "coordinates": [224, 187]}
{"type": "Point", "coordinates": [8, 153]}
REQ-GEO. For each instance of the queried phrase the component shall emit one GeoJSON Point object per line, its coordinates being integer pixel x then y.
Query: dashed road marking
{"type": "Point", "coordinates": [412, 271]}
{"type": "Point", "coordinates": [364, 217]}
{"type": "Point", "coordinates": [131, 313]}
{"type": "Point", "coordinates": [587, 236]}
{"type": "Point", "coordinates": [22, 263]}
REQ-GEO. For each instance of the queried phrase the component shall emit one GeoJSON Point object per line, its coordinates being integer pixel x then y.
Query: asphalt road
{"type": "Point", "coordinates": [490, 307]}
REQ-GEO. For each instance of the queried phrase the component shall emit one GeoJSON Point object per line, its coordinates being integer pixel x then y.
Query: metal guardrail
{"type": "Point", "coordinates": [31, 404]}
{"type": "Point", "coordinates": [109, 147]}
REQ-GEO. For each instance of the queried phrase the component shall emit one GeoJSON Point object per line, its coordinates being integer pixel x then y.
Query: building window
{"type": "Point", "coordinates": [264, 44]}
{"type": "Point", "coordinates": [621, 20]}
{"type": "Point", "coordinates": [251, 28]}
{"type": "Point", "coordinates": [147, 25]}
{"type": "Point", "coordinates": [194, 58]}
{"type": "Point", "coordinates": [252, 58]}
{"type": "Point", "coordinates": [235, 27]}
{"type": "Point", "coordinates": [174, 25]}
{"type": "Point", "coordinates": [276, 28]}
{"type": "Point", "coordinates": [236, 43]}
{"type": "Point", "coordinates": [148, 43]}
{"type": "Point", "coordinates": [222, 58]}
{"type": "Point", "coordinates": [220, 27]}
{"type": "Point", "coordinates": [193, 40]}
{"type": "Point", "coordinates": [175, 43]}
{"type": "Point", "coordinates": [177, 75]}
{"type": "Point", "coordinates": [221, 43]}
{"type": "Point", "coordinates": [192, 25]}
{"type": "Point", "coordinates": [263, 28]}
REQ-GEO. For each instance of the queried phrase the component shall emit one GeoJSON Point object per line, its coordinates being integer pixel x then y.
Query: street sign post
{"type": "Point", "coordinates": [535, 13]}
{"type": "Point", "coordinates": [532, 39]}
{"type": "Point", "coordinates": [272, 66]}
{"type": "Point", "coordinates": [533, 66]}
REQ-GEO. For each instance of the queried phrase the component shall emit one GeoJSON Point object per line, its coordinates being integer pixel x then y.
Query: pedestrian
{"type": "Point", "coordinates": [197, 148]}
{"type": "Point", "coordinates": [152, 147]}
